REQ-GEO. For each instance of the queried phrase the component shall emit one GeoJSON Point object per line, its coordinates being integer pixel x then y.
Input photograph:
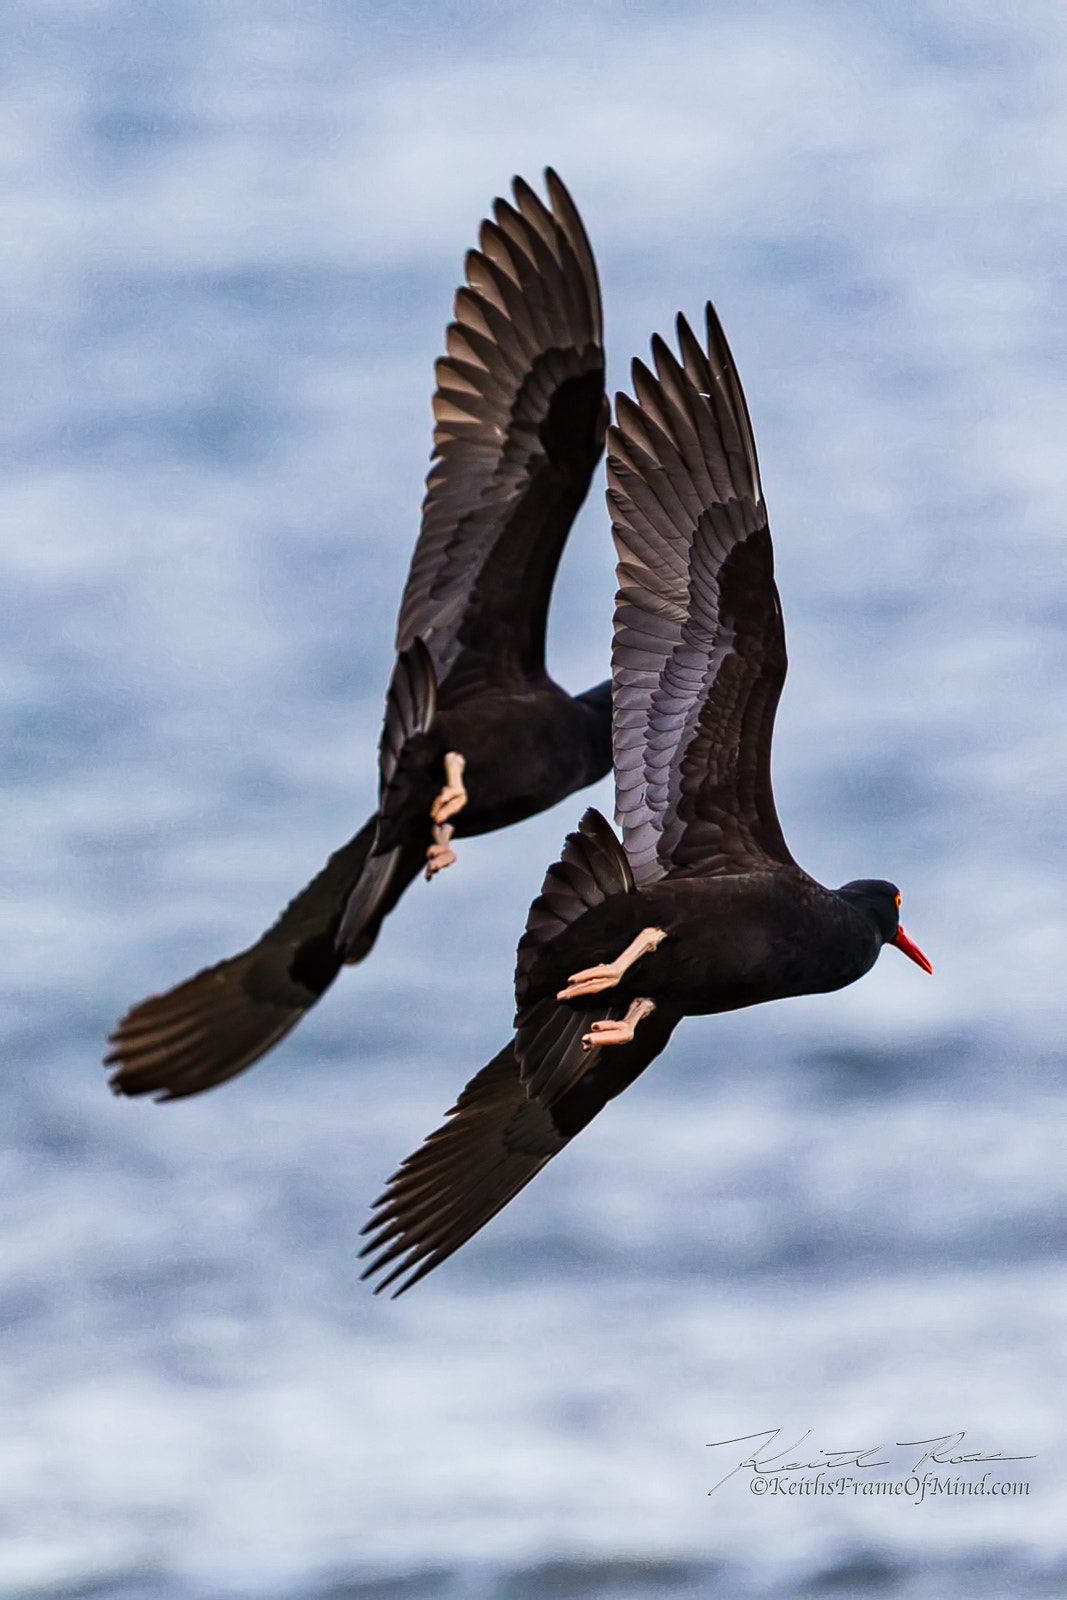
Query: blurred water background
{"type": "Point", "coordinates": [232, 233]}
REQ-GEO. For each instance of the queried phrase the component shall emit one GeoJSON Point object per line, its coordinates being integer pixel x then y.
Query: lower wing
{"type": "Point", "coordinates": [214, 1025]}
{"type": "Point", "coordinates": [496, 1140]}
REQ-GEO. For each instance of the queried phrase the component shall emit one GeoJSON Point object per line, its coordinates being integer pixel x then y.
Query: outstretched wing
{"type": "Point", "coordinates": [519, 417]}
{"type": "Point", "coordinates": [699, 654]}
{"type": "Point", "coordinates": [495, 1141]}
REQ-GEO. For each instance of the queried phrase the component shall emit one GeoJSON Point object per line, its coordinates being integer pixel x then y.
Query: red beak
{"type": "Point", "coordinates": [902, 942]}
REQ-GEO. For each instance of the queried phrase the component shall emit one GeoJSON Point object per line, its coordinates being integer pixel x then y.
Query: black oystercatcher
{"type": "Point", "coordinates": [701, 907]}
{"type": "Point", "coordinates": [476, 733]}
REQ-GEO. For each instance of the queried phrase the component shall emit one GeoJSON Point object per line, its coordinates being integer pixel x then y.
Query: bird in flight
{"type": "Point", "coordinates": [700, 907]}
{"type": "Point", "coordinates": [476, 734]}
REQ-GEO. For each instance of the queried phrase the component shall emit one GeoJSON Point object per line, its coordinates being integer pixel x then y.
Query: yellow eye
{"type": "Point", "coordinates": [898, 902]}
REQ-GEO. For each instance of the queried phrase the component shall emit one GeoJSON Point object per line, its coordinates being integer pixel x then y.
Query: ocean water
{"type": "Point", "coordinates": [232, 237]}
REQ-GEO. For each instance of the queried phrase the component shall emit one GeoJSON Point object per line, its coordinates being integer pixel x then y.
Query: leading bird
{"type": "Point", "coordinates": [476, 735]}
{"type": "Point", "coordinates": [700, 907]}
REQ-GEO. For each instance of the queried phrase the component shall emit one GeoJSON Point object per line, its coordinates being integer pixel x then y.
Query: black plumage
{"type": "Point", "coordinates": [700, 907]}
{"type": "Point", "coordinates": [520, 415]}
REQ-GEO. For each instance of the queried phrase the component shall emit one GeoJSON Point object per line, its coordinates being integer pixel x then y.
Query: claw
{"type": "Point", "coordinates": [607, 1033]}
{"type": "Point", "coordinates": [618, 1030]}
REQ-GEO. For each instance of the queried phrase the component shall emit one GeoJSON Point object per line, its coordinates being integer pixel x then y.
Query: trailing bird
{"type": "Point", "coordinates": [476, 734]}
{"type": "Point", "coordinates": [700, 907]}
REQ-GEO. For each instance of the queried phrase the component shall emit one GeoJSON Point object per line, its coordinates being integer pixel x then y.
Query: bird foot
{"type": "Point", "coordinates": [453, 797]}
{"type": "Point", "coordinates": [440, 854]}
{"type": "Point", "coordinates": [609, 1032]}
{"type": "Point", "coordinates": [618, 1031]}
{"type": "Point", "coordinates": [592, 981]}
{"type": "Point", "coordinates": [605, 976]}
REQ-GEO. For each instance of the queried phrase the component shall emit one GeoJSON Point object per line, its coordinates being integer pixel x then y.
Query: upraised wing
{"type": "Point", "coordinates": [520, 415]}
{"type": "Point", "coordinates": [699, 654]}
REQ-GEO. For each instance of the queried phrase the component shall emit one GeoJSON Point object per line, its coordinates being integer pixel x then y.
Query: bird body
{"type": "Point", "coordinates": [731, 941]}
{"type": "Point", "coordinates": [557, 743]}
{"type": "Point", "coordinates": [476, 734]}
{"type": "Point", "coordinates": [699, 907]}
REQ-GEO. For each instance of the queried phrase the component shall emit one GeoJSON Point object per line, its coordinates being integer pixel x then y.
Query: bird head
{"type": "Point", "coordinates": [881, 902]}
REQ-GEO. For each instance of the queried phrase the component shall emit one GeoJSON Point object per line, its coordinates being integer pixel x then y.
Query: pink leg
{"type": "Point", "coordinates": [453, 797]}
{"type": "Point", "coordinates": [607, 975]}
{"type": "Point", "coordinates": [620, 1032]}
